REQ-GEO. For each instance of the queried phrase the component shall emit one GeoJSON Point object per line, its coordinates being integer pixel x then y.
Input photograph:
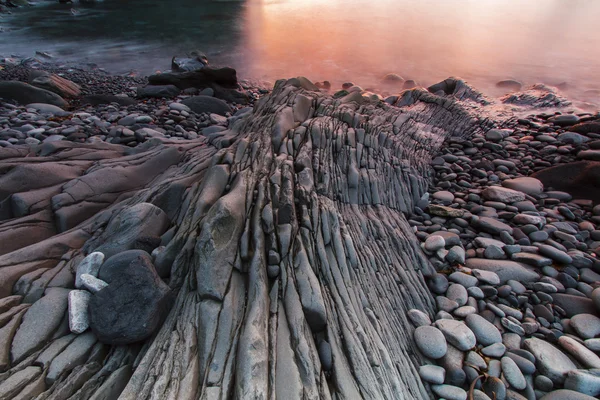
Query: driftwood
{"type": "Point", "coordinates": [290, 256]}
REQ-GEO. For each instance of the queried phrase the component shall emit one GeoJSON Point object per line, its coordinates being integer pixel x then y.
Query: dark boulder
{"type": "Point", "coordinates": [205, 77]}
{"type": "Point", "coordinates": [24, 93]}
{"type": "Point", "coordinates": [207, 104]}
{"type": "Point", "coordinates": [581, 179]}
{"type": "Point", "coordinates": [159, 91]}
{"type": "Point", "coordinates": [133, 305]}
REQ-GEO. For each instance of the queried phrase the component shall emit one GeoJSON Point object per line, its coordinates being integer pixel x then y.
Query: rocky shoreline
{"type": "Point", "coordinates": [200, 237]}
{"type": "Point", "coordinates": [517, 277]}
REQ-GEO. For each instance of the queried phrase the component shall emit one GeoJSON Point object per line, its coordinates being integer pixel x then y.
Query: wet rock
{"type": "Point", "coordinates": [207, 104]}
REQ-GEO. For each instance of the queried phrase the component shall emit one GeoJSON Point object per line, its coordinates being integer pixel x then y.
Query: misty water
{"type": "Point", "coordinates": [483, 41]}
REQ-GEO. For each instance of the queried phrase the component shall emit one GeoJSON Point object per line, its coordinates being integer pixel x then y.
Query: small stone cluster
{"type": "Point", "coordinates": [517, 278]}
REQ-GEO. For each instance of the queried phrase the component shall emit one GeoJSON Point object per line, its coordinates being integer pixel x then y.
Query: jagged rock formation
{"type": "Point", "coordinates": [286, 248]}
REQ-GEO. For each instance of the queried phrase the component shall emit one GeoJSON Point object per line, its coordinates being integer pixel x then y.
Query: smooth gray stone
{"type": "Point", "coordinates": [457, 334]}
{"type": "Point", "coordinates": [495, 350]}
{"type": "Point", "coordinates": [554, 253]}
{"type": "Point", "coordinates": [586, 325]}
{"type": "Point", "coordinates": [550, 361]}
{"type": "Point", "coordinates": [593, 344]}
{"type": "Point", "coordinates": [584, 381]}
{"type": "Point", "coordinates": [543, 383]}
{"type": "Point", "coordinates": [432, 374]}
{"type": "Point", "coordinates": [449, 392]}
{"type": "Point", "coordinates": [434, 243]}
{"type": "Point", "coordinates": [513, 374]}
{"type": "Point", "coordinates": [431, 342]}
{"type": "Point", "coordinates": [43, 108]}
{"type": "Point", "coordinates": [506, 269]}
{"type": "Point", "coordinates": [456, 255]}
{"type": "Point", "coordinates": [418, 318]}
{"type": "Point", "coordinates": [485, 242]}
{"type": "Point", "coordinates": [24, 93]}
{"type": "Point", "coordinates": [39, 323]}
{"type": "Point", "coordinates": [463, 279]}
{"type": "Point", "coordinates": [492, 225]}
{"type": "Point", "coordinates": [485, 332]}
{"type": "Point", "coordinates": [457, 293]}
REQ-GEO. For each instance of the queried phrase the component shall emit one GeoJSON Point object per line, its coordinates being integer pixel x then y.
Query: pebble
{"type": "Point", "coordinates": [432, 374]}
{"type": "Point", "coordinates": [418, 318]}
{"type": "Point", "coordinates": [449, 392]}
{"type": "Point", "coordinates": [457, 334]}
{"type": "Point", "coordinates": [431, 342]}
{"type": "Point", "coordinates": [434, 243]}
{"type": "Point", "coordinates": [485, 332]}
{"type": "Point", "coordinates": [513, 374]}
{"type": "Point", "coordinates": [93, 284]}
{"type": "Point", "coordinates": [550, 361]}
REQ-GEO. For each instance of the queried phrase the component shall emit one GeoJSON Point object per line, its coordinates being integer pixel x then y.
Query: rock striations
{"type": "Point", "coordinates": [272, 258]}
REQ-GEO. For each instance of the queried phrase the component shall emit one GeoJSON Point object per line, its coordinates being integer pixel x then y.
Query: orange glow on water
{"type": "Point", "coordinates": [428, 40]}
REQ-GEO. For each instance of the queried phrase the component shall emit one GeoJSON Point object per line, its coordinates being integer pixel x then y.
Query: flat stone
{"type": "Point", "coordinates": [458, 293]}
{"type": "Point", "coordinates": [443, 196]}
{"type": "Point", "coordinates": [457, 334]}
{"type": "Point", "coordinates": [492, 225]}
{"type": "Point", "coordinates": [486, 277]}
{"type": "Point", "coordinates": [431, 342]}
{"type": "Point", "coordinates": [89, 265]}
{"type": "Point", "coordinates": [550, 361]}
{"type": "Point", "coordinates": [24, 93]}
{"type": "Point", "coordinates": [586, 325]}
{"type": "Point", "coordinates": [15, 383]}
{"type": "Point", "coordinates": [485, 332]}
{"type": "Point", "coordinates": [39, 323]}
{"type": "Point", "coordinates": [505, 269]}
{"type": "Point", "coordinates": [93, 284]}
{"type": "Point", "coordinates": [447, 212]}
{"type": "Point", "coordinates": [526, 185]}
{"type": "Point", "coordinates": [502, 194]}
{"type": "Point", "coordinates": [494, 350]}
{"type": "Point", "coordinates": [513, 374]}
{"type": "Point", "coordinates": [573, 305]}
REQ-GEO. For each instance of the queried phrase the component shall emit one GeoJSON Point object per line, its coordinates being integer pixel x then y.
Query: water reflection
{"type": "Point", "coordinates": [484, 41]}
{"type": "Point", "coordinates": [551, 41]}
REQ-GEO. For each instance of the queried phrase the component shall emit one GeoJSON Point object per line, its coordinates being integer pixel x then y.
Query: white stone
{"type": "Point", "coordinates": [78, 311]}
{"type": "Point", "coordinates": [89, 265]}
{"type": "Point", "coordinates": [92, 283]}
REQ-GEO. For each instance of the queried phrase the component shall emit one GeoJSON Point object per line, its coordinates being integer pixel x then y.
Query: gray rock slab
{"type": "Point", "coordinates": [550, 361]}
